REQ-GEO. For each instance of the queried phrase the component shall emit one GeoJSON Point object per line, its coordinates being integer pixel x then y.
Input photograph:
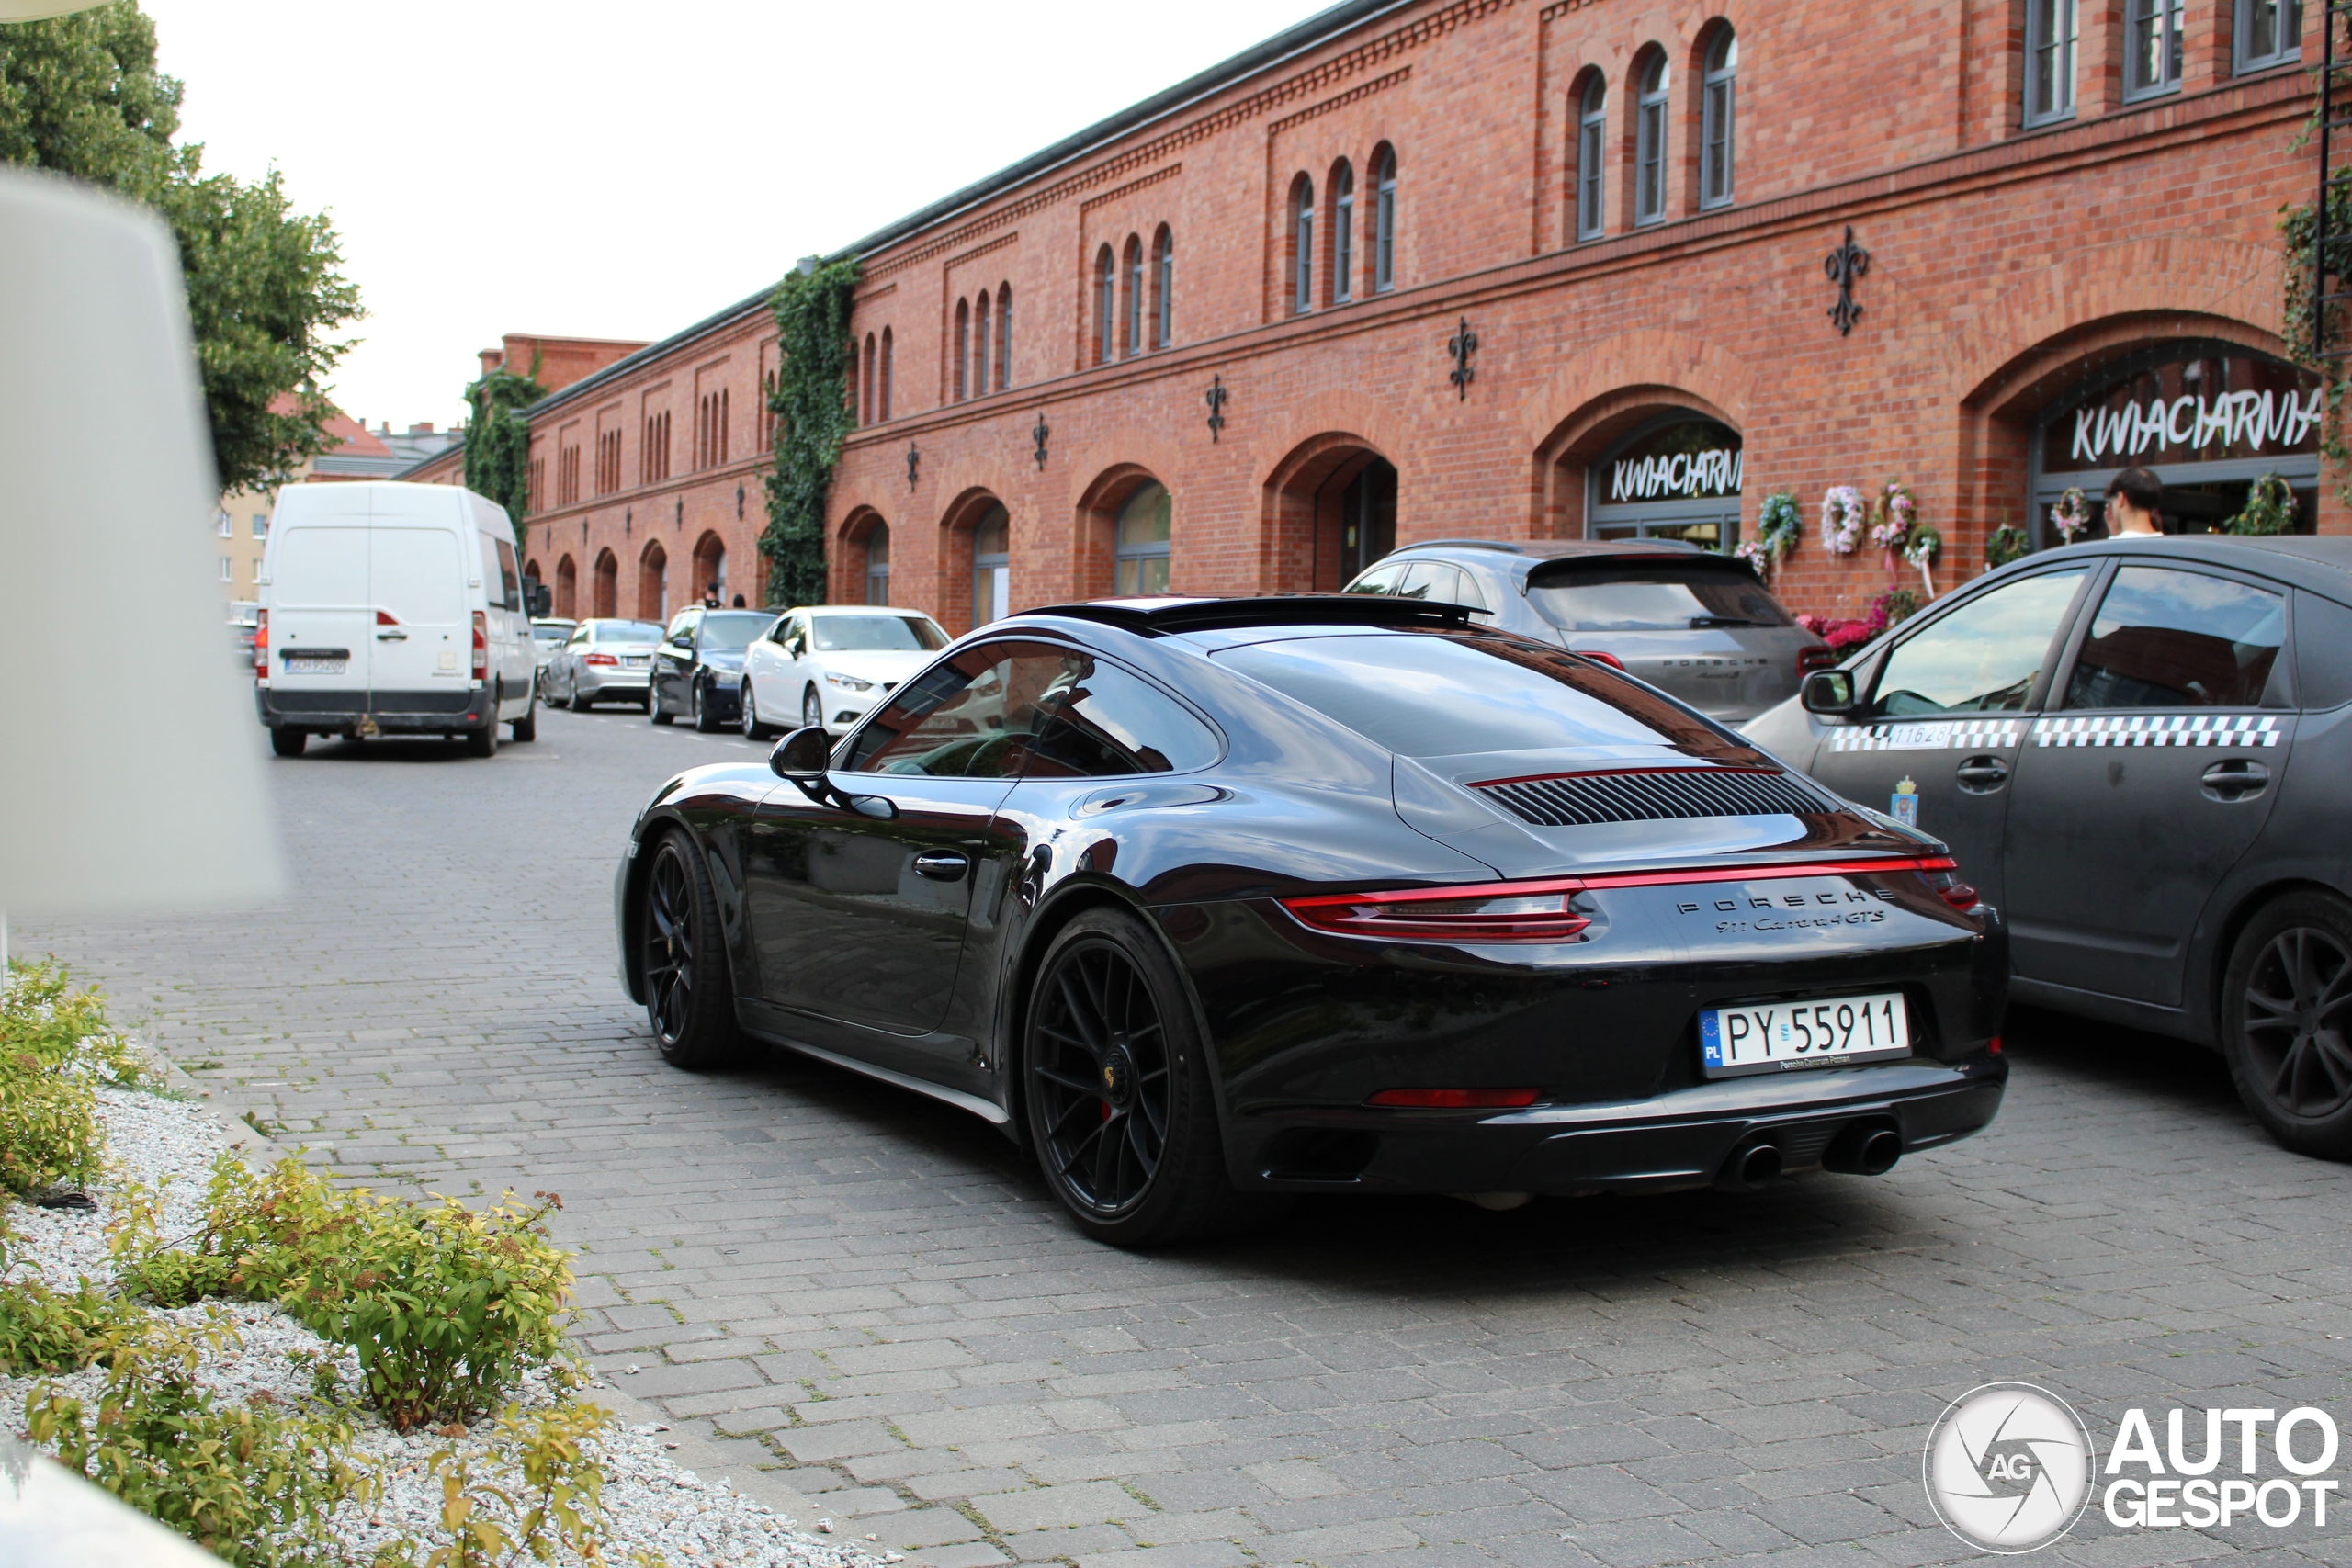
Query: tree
{"type": "Point", "coordinates": [80, 95]}
{"type": "Point", "coordinates": [813, 418]}
{"type": "Point", "coordinates": [498, 441]}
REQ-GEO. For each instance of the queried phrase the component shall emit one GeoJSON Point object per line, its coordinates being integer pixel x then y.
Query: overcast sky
{"type": "Point", "coordinates": [622, 171]}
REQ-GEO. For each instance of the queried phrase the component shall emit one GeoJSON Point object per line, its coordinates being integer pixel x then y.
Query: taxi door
{"type": "Point", "coordinates": [2147, 778]}
{"type": "Point", "coordinates": [1947, 715]}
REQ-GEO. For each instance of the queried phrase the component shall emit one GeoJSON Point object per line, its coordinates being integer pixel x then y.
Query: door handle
{"type": "Point", "coordinates": [1982, 775]}
{"type": "Point", "coordinates": [391, 637]}
{"type": "Point", "coordinates": [2236, 779]}
{"type": "Point", "coordinates": [943, 866]}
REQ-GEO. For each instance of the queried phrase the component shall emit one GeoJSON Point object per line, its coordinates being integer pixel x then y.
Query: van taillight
{"type": "Point", "coordinates": [482, 646]}
{"type": "Point", "coordinates": [261, 645]}
{"type": "Point", "coordinates": [1600, 657]}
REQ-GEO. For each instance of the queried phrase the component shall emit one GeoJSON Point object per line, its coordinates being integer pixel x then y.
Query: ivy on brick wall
{"type": "Point", "coordinates": [812, 419]}
{"type": "Point", "coordinates": [2298, 229]}
{"type": "Point", "coordinates": [498, 441]}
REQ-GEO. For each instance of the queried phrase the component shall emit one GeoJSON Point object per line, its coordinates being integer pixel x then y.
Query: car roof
{"type": "Point", "coordinates": [1551, 549]}
{"type": "Point", "coordinates": [2322, 564]}
{"type": "Point", "coordinates": [1168, 616]}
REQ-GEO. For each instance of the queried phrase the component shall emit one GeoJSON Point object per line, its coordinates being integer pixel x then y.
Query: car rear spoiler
{"type": "Point", "coordinates": [1161, 617]}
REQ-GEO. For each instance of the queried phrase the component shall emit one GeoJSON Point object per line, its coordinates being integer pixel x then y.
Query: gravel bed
{"type": "Point", "coordinates": [652, 1505]}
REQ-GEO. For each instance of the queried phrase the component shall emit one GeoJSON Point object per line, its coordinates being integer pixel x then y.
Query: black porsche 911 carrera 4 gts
{"type": "Point", "coordinates": [1207, 901]}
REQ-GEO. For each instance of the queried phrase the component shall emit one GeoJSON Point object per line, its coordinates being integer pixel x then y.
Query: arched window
{"type": "Point", "coordinates": [993, 565]}
{"type": "Point", "coordinates": [1141, 565]}
{"type": "Point", "coordinates": [1717, 101]}
{"type": "Point", "coordinates": [877, 564]}
{"type": "Point", "coordinates": [1163, 313]}
{"type": "Point", "coordinates": [1649, 140]}
{"type": "Point", "coordinates": [1301, 240]}
{"type": "Point", "coordinates": [1107, 304]}
{"type": "Point", "coordinates": [962, 343]}
{"type": "Point", "coordinates": [865, 396]}
{"type": "Point", "coordinates": [1592, 168]}
{"type": "Point", "coordinates": [1343, 232]}
{"type": "Point", "coordinates": [884, 401]}
{"type": "Point", "coordinates": [1135, 296]}
{"type": "Point", "coordinates": [856, 390]}
{"type": "Point", "coordinates": [981, 345]}
{"type": "Point", "coordinates": [1003, 337]}
{"type": "Point", "coordinates": [1383, 221]}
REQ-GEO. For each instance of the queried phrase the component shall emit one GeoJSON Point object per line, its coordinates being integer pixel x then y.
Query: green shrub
{"type": "Point", "coordinates": [250, 1484]}
{"type": "Point", "coordinates": [559, 1505]}
{"type": "Point", "coordinates": [42, 1016]}
{"type": "Point", "coordinates": [43, 1330]}
{"type": "Point", "coordinates": [56, 1047]}
{"type": "Point", "coordinates": [446, 1307]}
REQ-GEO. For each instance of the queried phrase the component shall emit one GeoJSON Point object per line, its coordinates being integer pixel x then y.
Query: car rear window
{"type": "Point", "coordinates": [1652, 597]}
{"type": "Point", "coordinates": [876, 634]}
{"type": "Point", "coordinates": [733, 630]}
{"type": "Point", "coordinates": [1446, 693]}
{"type": "Point", "coordinates": [626, 631]}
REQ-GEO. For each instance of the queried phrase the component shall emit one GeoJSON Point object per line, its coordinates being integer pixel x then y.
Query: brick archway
{"type": "Point", "coordinates": [853, 560]}
{"type": "Point", "coordinates": [567, 589]}
{"type": "Point", "coordinates": [1302, 534]}
{"type": "Point", "coordinates": [607, 596]}
{"type": "Point", "coordinates": [1604, 391]}
{"type": "Point", "coordinates": [653, 583]}
{"type": "Point", "coordinates": [953, 591]}
{"type": "Point", "coordinates": [1096, 567]}
{"type": "Point", "coordinates": [711, 566]}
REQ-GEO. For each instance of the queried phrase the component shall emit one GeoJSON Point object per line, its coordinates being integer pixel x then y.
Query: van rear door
{"type": "Point", "coordinates": [424, 641]}
{"type": "Point", "coordinates": [321, 618]}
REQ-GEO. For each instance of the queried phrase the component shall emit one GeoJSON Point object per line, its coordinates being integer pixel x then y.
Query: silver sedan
{"type": "Point", "coordinates": [602, 661]}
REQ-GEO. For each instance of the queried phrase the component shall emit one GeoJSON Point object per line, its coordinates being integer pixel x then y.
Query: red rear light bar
{"type": "Point", "coordinates": [1541, 911]}
{"type": "Point", "coordinates": [261, 646]}
{"type": "Point", "coordinates": [482, 646]}
{"type": "Point", "coordinates": [1454, 1099]}
{"type": "Point", "coordinates": [1600, 657]}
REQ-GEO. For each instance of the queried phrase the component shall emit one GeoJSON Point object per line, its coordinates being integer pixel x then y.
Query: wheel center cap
{"type": "Point", "coordinates": [1118, 1075]}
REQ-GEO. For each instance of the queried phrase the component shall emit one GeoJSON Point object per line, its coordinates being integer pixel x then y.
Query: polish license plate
{"type": "Point", "coordinates": [316, 663]}
{"type": "Point", "coordinates": [633, 660]}
{"type": "Point", "coordinates": [1735, 1041]}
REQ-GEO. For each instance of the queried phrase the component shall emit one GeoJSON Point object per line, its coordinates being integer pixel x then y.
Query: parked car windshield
{"type": "Point", "coordinates": [727, 631]}
{"type": "Point", "coordinates": [1444, 694]}
{"type": "Point", "coordinates": [1645, 596]}
{"type": "Point", "coordinates": [545, 631]}
{"type": "Point", "coordinates": [876, 634]}
{"type": "Point", "coordinates": [627, 631]}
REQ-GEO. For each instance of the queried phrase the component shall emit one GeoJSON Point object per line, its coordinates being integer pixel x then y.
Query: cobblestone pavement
{"type": "Point", "coordinates": [876, 1297]}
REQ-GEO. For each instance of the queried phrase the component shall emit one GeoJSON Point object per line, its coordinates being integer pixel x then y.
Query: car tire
{"type": "Point", "coordinates": [526, 728]}
{"type": "Point", "coordinates": [554, 701]}
{"type": "Point", "coordinates": [288, 743]}
{"type": "Point", "coordinates": [653, 707]}
{"type": "Point", "coordinates": [813, 710]}
{"type": "Point", "coordinates": [689, 998]}
{"type": "Point", "coordinates": [2287, 1023]}
{"type": "Point", "coordinates": [483, 742]}
{"type": "Point", "coordinates": [1122, 1111]}
{"type": "Point", "coordinates": [705, 711]}
{"type": "Point", "coordinates": [752, 729]}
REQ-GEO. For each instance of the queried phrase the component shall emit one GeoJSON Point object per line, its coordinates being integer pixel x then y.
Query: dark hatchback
{"type": "Point", "coordinates": [698, 667]}
{"type": "Point", "coordinates": [1209, 901]}
{"type": "Point", "coordinates": [2138, 749]}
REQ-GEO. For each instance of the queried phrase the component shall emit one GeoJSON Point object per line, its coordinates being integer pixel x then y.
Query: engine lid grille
{"type": "Point", "coordinates": [1654, 794]}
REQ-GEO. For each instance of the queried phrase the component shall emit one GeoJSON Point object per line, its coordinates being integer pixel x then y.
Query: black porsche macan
{"type": "Point", "coordinates": [1209, 901]}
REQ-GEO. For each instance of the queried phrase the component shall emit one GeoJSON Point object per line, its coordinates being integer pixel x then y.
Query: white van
{"type": "Point", "coordinates": [392, 609]}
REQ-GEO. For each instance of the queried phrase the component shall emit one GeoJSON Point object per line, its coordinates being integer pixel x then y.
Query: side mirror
{"type": "Point", "coordinates": [542, 601]}
{"type": "Point", "coordinates": [801, 756]}
{"type": "Point", "coordinates": [1828, 692]}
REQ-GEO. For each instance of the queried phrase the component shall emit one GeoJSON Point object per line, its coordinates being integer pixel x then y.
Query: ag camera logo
{"type": "Point", "coordinates": [2009, 1467]}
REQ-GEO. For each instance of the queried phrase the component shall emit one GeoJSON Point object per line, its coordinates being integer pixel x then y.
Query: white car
{"type": "Point", "coordinates": [826, 665]}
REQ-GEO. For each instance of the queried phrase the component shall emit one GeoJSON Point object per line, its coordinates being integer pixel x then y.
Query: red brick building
{"type": "Point", "coordinates": [1508, 269]}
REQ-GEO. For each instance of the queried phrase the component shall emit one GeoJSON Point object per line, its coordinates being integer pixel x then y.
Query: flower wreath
{"type": "Point", "coordinates": [1896, 508]}
{"type": "Point", "coordinates": [2070, 515]}
{"type": "Point", "coordinates": [1842, 515]}
{"type": "Point", "coordinates": [1925, 545]}
{"type": "Point", "coordinates": [1780, 528]}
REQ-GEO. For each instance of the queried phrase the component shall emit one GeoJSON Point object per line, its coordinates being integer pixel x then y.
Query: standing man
{"type": "Point", "coordinates": [2135, 504]}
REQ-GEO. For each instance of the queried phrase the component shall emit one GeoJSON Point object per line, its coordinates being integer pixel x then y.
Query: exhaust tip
{"type": "Point", "coordinates": [1865, 1149]}
{"type": "Point", "coordinates": [1757, 1165]}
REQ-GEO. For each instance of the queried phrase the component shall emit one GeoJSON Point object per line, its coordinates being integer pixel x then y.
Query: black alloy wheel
{"type": "Point", "coordinates": [1121, 1108]}
{"type": "Point", "coordinates": [689, 998]}
{"type": "Point", "coordinates": [2287, 1023]}
{"type": "Point", "coordinates": [653, 702]}
{"type": "Point", "coordinates": [812, 711]}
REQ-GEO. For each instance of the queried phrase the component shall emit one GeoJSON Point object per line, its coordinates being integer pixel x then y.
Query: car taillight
{"type": "Point", "coordinates": [1952, 890]}
{"type": "Point", "coordinates": [1524, 911]}
{"type": "Point", "coordinates": [261, 645]}
{"type": "Point", "coordinates": [1453, 1098]}
{"type": "Point", "coordinates": [482, 646]}
{"type": "Point", "coordinates": [1993, 1046]}
{"type": "Point", "coordinates": [605, 660]}
{"type": "Point", "coordinates": [1600, 657]}
{"type": "Point", "coordinates": [1820, 656]}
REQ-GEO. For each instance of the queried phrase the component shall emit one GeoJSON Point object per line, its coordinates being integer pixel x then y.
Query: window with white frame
{"type": "Point", "coordinates": [261, 524]}
{"type": "Point", "coordinates": [221, 524]}
{"type": "Point", "coordinates": [227, 569]}
{"type": "Point", "coordinates": [2150, 47]}
{"type": "Point", "coordinates": [1141, 546]}
{"type": "Point", "coordinates": [1592, 139]}
{"type": "Point", "coordinates": [2051, 27]}
{"type": "Point", "coordinates": [1649, 142]}
{"type": "Point", "coordinates": [2269, 32]}
{"type": "Point", "coordinates": [1343, 234]}
{"type": "Point", "coordinates": [1718, 104]}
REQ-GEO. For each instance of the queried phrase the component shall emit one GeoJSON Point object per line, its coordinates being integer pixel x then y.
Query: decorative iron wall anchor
{"type": "Point", "coordinates": [629, 519]}
{"type": "Point", "coordinates": [682, 514]}
{"type": "Point", "coordinates": [1042, 431]}
{"type": "Point", "coordinates": [1844, 265]}
{"type": "Point", "coordinates": [1461, 347]}
{"type": "Point", "coordinates": [739, 504]}
{"type": "Point", "coordinates": [1216, 399]}
{"type": "Point", "coordinates": [914, 461]}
